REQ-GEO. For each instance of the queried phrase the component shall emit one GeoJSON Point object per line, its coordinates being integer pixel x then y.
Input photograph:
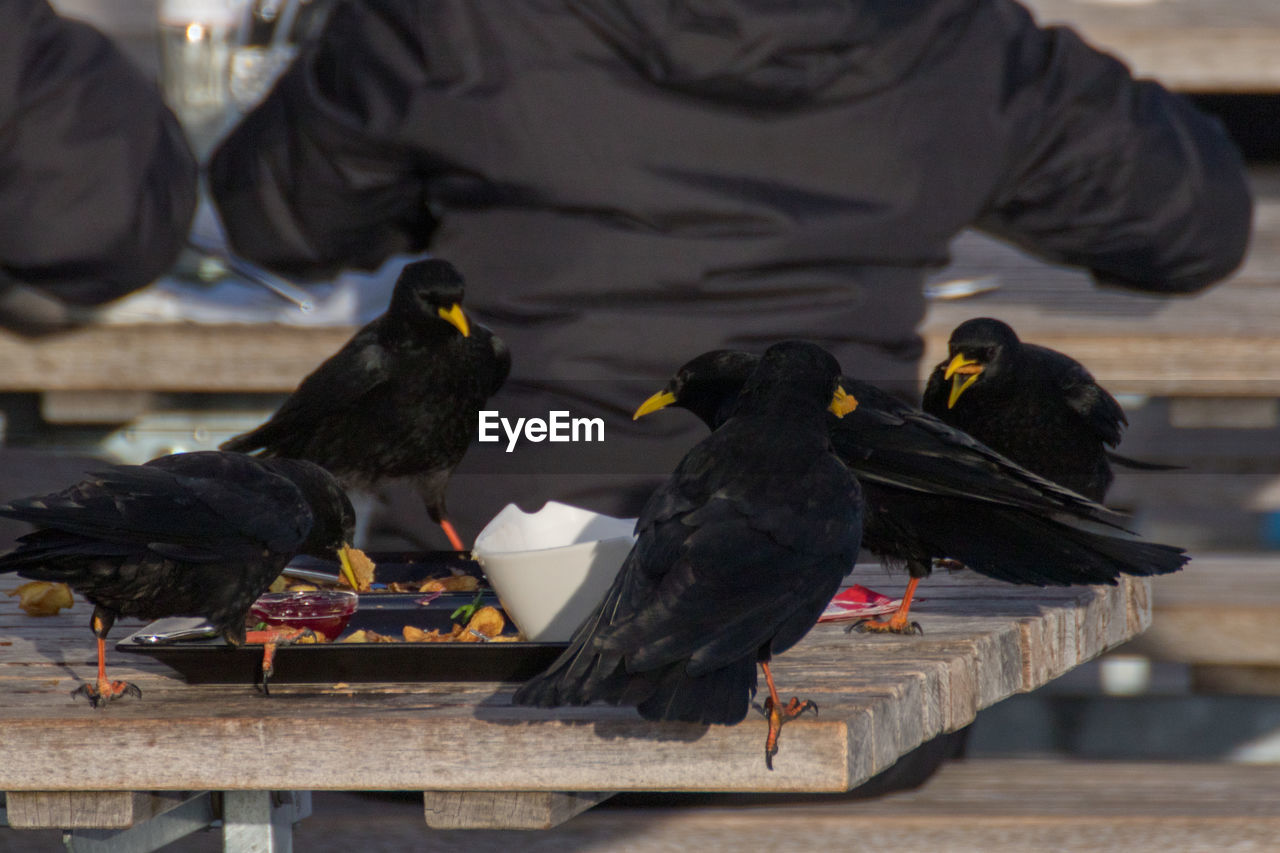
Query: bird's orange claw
{"type": "Point", "coordinates": [895, 624]}
{"type": "Point", "coordinates": [892, 625]}
{"type": "Point", "coordinates": [779, 716]}
{"type": "Point", "coordinates": [271, 639]}
{"type": "Point", "coordinates": [104, 691]}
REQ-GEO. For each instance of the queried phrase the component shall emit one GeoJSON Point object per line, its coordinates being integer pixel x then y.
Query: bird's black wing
{"type": "Point", "coordinates": [890, 442]}
{"type": "Point", "coordinates": [339, 383]}
{"type": "Point", "coordinates": [756, 550]}
{"type": "Point", "coordinates": [1095, 406]}
{"type": "Point", "coordinates": [195, 507]}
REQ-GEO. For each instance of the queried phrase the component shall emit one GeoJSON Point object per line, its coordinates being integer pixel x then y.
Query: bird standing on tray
{"type": "Point", "coordinates": [1035, 405]}
{"type": "Point", "coordinates": [736, 557]}
{"type": "Point", "coordinates": [399, 399]}
{"type": "Point", "coordinates": [933, 492]}
{"type": "Point", "coordinates": [191, 534]}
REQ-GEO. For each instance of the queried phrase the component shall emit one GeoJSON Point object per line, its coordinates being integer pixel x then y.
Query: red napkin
{"type": "Point", "coordinates": [858, 602]}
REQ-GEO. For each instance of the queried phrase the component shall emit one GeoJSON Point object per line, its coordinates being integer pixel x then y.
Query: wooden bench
{"type": "Point", "coordinates": [1191, 45]}
{"type": "Point", "coordinates": [985, 806]}
{"type": "Point", "coordinates": [1221, 617]}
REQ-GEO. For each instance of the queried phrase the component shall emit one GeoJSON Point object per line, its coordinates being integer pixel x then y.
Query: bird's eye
{"type": "Point", "coordinates": [989, 354]}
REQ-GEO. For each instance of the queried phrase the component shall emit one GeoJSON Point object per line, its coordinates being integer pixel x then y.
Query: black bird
{"type": "Point", "coordinates": [738, 553]}
{"type": "Point", "coordinates": [1035, 405]}
{"type": "Point", "coordinates": [191, 534]}
{"type": "Point", "coordinates": [400, 399]}
{"type": "Point", "coordinates": [932, 492]}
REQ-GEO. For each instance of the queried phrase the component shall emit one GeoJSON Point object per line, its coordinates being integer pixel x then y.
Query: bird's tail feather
{"type": "Point", "coordinates": [1027, 549]}
{"type": "Point", "coordinates": [721, 696]}
{"type": "Point", "coordinates": [586, 673]}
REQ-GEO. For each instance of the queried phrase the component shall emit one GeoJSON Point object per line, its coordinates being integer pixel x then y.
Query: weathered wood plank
{"type": "Point", "coordinates": [1259, 680]}
{"type": "Point", "coordinates": [1221, 610]}
{"type": "Point", "coordinates": [86, 809]}
{"type": "Point", "coordinates": [505, 809]}
{"type": "Point", "coordinates": [878, 696]}
{"type": "Point", "coordinates": [1191, 45]}
{"type": "Point", "coordinates": [971, 806]}
{"type": "Point", "coordinates": [163, 357]}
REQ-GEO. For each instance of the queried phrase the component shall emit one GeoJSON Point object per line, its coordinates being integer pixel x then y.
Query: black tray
{"type": "Point", "coordinates": [210, 660]}
{"type": "Point", "coordinates": [401, 566]}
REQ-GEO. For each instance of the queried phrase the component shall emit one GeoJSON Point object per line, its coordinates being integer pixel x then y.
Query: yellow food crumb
{"type": "Point", "coordinates": [43, 598]}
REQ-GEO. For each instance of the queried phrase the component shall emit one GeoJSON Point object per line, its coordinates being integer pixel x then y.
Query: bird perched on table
{"type": "Point", "coordinates": [933, 492]}
{"type": "Point", "coordinates": [191, 534]}
{"type": "Point", "coordinates": [400, 399]}
{"type": "Point", "coordinates": [1035, 405]}
{"type": "Point", "coordinates": [737, 555]}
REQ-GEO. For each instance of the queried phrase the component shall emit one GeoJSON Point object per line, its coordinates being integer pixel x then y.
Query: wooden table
{"type": "Point", "coordinates": [484, 763]}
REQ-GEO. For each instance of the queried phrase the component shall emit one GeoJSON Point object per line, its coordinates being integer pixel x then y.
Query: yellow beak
{"type": "Point", "coordinates": [962, 372]}
{"type": "Point", "coordinates": [453, 316]}
{"type": "Point", "coordinates": [842, 402]}
{"type": "Point", "coordinates": [658, 401]}
{"type": "Point", "coordinates": [344, 557]}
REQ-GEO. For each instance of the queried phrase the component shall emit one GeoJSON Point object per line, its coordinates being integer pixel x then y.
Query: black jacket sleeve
{"type": "Point", "coordinates": [1114, 174]}
{"type": "Point", "coordinates": [97, 184]}
{"type": "Point", "coordinates": [326, 173]}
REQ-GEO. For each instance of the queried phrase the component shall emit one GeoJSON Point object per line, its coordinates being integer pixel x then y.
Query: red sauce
{"type": "Point", "coordinates": [326, 613]}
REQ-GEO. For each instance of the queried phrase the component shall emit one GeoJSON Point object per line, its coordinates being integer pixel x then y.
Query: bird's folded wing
{"type": "Point", "coordinates": [914, 450]}
{"type": "Point", "coordinates": [212, 514]}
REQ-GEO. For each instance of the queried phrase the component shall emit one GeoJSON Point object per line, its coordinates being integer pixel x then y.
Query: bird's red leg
{"type": "Point", "coordinates": [777, 714]}
{"type": "Point", "coordinates": [898, 622]}
{"type": "Point", "coordinates": [271, 639]}
{"type": "Point", "coordinates": [454, 539]}
{"type": "Point", "coordinates": [104, 690]}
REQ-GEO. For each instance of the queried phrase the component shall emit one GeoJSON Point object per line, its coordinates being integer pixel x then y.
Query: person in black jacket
{"type": "Point", "coordinates": [627, 183]}
{"type": "Point", "coordinates": [97, 184]}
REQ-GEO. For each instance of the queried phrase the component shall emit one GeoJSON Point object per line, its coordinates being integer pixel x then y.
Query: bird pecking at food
{"type": "Point", "coordinates": [190, 534]}
{"type": "Point", "coordinates": [932, 492]}
{"type": "Point", "coordinates": [400, 399]}
{"type": "Point", "coordinates": [1037, 406]}
{"type": "Point", "coordinates": [737, 554]}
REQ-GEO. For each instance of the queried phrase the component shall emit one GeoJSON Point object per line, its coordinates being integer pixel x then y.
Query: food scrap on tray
{"type": "Point", "coordinates": [484, 627]}
{"type": "Point", "coordinates": [363, 569]}
{"type": "Point", "coordinates": [457, 582]}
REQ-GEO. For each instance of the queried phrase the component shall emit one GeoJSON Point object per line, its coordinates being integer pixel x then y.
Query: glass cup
{"type": "Point", "coordinates": [197, 40]}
